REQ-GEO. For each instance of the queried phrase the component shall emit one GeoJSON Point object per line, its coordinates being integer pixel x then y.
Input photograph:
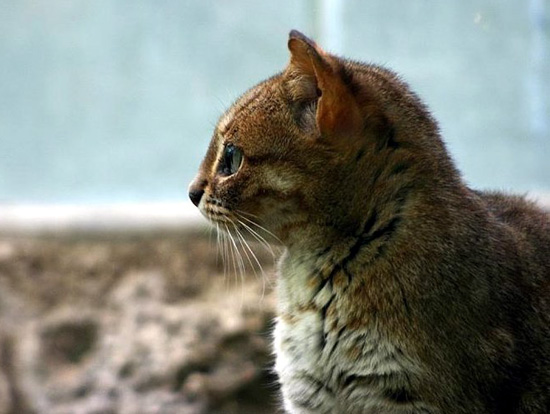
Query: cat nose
{"type": "Point", "coordinates": [195, 195]}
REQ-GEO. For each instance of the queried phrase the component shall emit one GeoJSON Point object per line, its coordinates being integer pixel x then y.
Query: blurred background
{"type": "Point", "coordinates": [115, 101]}
{"type": "Point", "coordinates": [112, 300]}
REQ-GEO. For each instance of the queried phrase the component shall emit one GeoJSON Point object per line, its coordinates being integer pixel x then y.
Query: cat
{"type": "Point", "coordinates": [400, 289]}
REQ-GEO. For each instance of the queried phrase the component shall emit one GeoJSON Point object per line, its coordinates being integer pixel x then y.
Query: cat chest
{"type": "Point", "coordinates": [323, 359]}
{"type": "Point", "coordinates": [311, 343]}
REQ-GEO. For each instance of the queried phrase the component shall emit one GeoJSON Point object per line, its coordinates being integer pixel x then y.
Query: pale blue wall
{"type": "Point", "coordinates": [115, 100]}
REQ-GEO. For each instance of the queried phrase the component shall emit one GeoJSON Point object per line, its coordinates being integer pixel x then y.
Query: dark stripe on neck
{"type": "Point", "coordinates": [399, 168]}
{"type": "Point", "coordinates": [369, 224]}
{"type": "Point", "coordinates": [366, 237]}
{"type": "Point", "coordinates": [325, 332]}
{"type": "Point", "coordinates": [362, 241]}
{"type": "Point", "coordinates": [365, 240]}
{"type": "Point", "coordinates": [387, 140]}
{"type": "Point", "coordinates": [399, 395]}
{"type": "Point", "coordinates": [360, 154]}
{"type": "Point", "coordinates": [336, 341]}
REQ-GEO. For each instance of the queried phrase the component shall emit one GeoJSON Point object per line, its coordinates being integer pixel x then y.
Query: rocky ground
{"type": "Point", "coordinates": [132, 325]}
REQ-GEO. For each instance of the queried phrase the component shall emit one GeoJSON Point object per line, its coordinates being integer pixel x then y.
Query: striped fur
{"type": "Point", "coordinates": [401, 290]}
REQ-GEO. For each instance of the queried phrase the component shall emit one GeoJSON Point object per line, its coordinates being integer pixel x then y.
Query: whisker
{"type": "Point", "coordinates": [237, 260]}
{"type": "Point", "coordinates": [241, 215]}
{"type": "Point", "coordinates": [226, 262]}
{"type": "Point", "coordinates": [210, 229]}
{"type": "Point", "coordinates": [258, 237]}
{"type": "Point", "coordinates": [240, 262]}
{"type": "Point", "coordinates": [218, 254]}
{"type": "Point", "coordinates": [230, 253]}
{"type": "Point", "coordinates": [246, 213]}
{"type": "Point", "coordinates": [247, 247]}
{"type": "Point", "coordinates": [230, 235]}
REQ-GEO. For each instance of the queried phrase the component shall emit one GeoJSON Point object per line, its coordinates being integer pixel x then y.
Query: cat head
{"type": "Point", "coordinates": [311, 147]}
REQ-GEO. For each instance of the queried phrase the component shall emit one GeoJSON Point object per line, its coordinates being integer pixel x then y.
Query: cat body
{"type": "Point", "coordinates": [392, 353]}
{"type": "Point", "coordinates": [401, 290]}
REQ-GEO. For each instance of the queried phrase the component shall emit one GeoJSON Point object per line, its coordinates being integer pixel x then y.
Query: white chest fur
{"type": "Point", "coordinates": [325, 366]}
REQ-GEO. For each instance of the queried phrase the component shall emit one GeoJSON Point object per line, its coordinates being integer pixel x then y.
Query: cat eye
{"type": "Point", "coordinates": [231, 160]}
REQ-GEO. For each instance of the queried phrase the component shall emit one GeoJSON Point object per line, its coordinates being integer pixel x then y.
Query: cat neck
{"type": "Point", "coordinates": [409, 215]}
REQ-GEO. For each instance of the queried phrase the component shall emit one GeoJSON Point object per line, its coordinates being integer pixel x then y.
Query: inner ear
{"type": "Point", "coordinates": [312, 75]}
{"type": "Point", "coordinates": [300, 73]}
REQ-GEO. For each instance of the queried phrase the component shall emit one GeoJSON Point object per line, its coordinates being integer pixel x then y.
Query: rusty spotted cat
{"type": "Point", "coordinates": [400, 290]}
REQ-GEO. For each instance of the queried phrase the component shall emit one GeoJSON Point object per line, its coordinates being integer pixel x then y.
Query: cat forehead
{"type": "Point", "coordinates": [228, 118]}
{"type": "Point", "coordinates": [248, 104]}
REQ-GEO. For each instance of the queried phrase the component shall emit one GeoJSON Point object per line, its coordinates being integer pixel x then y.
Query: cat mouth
{"type": "Point", "coordinates": [217, 217]}
{"type": "Point", "coordinates": [230, 221]}
{"type": "Point", "coordinates": [215, 212]}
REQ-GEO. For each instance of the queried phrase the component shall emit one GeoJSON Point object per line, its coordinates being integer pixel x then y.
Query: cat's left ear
{"type": "Point", "coordinates": [313, 74]}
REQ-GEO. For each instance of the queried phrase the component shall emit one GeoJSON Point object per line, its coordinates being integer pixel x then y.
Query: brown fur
{"type": "Point", "coordinates": [345, 166]}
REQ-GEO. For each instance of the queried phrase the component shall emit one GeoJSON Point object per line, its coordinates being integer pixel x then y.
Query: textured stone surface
{"type": "Point", "coordinates": [126, 326]}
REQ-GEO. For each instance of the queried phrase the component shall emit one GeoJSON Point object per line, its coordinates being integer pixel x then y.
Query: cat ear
{"type": "Point", "coordinates": [301, 47]}
{"type": "Point", "coordinates": [314, 74]}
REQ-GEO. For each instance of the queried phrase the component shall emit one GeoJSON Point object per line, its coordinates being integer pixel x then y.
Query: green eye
{"type": "Point", "coordinates": [232, 160]}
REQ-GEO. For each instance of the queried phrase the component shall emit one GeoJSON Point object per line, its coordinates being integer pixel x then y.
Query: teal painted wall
{"type": "Point", "coordinates": [114, 100]}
